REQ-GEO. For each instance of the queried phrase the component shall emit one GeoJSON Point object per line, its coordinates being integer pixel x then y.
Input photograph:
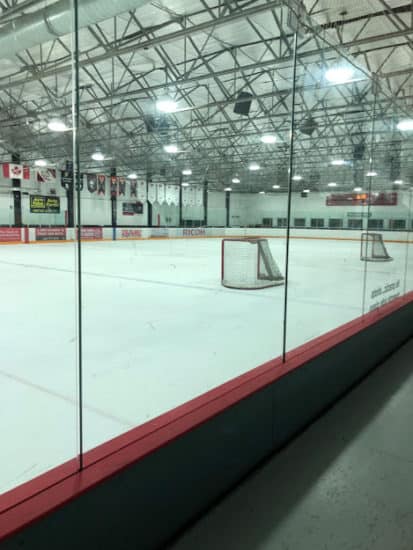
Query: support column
{"type": "Point", "coordinates": [113, 200]}
{"type": "Point", "coordinates": [227, 207]}
{"type": "Point", "coordinates": [180, 202]}
{"type": "Point", "coordinates": [150, 211]}
{"type": "Point", "coordinates": [205, 198]}
{"type": "Point", "coordinates": [17, 195]}
{"type": "Point", "coordinates": [67, 184]}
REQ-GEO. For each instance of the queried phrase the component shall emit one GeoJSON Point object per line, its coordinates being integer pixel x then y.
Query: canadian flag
{"type": "Point", "coordinates": [16, 171]}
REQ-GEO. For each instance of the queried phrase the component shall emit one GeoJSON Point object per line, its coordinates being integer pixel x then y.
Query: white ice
{"type": "Point", "coordinates": [158, 330]}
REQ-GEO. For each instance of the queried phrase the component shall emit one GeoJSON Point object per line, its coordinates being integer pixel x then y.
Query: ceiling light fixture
{"type": "Point", "coordinates": [332, 184]}
{"type": "Point", "coordinates": [339, 75]}
{"type": "Point", "coordinates": [254, 166]}
{"type": "Point", "coordinates": [261, 192]}
{"type": "Point", "coordinates": [398, 182]}
{"type": "Point", "coordinates": [371, 174]}
{"type": "Point", "coordinates": [358, 189]}
{"type": "Point", "coordinates": [228, 189]}
{"type": "Point", "coordinates": [40, 162]}
{"type": "Point", "coordinates": [184, 184]}
{"type": "Point", "coordinates": [171, 148]}
{"type": "Point", "coordinates": [187, 172]}
{"type": "Point", "coordinates": [297, 178]}
{"type": "Point", "coordinates": [236, 180]}
{"type": "Point", "coordinates": [133, 176]}
{"type": "Point", "coordinates": [98, 155]}
{"type": "Point", "coordinates": [338, 162]}
{"type": "Point", "coordinates": [405, 125]}
{"type": "Point", "coordinates": [306, 190]}
{"type": "Point", "coordinates": [166, 105]}
{"type": "Point", "coordinates": [57, 125]}
{"type": "Point", "coordinates": [275, 186]}
{"type": "Point", "coordinates": [268, 139]}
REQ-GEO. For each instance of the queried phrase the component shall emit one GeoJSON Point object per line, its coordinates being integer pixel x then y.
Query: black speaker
{"type": "Point", "coordinates": [304, 194]}
{"type": "Point", "coordinates": [358, 151]}
{"type": "Point", "coordinates": [308, 126]}
{"type": "Point", "coordinates": [243, 103]}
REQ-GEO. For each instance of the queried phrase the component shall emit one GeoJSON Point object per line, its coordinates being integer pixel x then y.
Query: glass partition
{"type": "Point", "coordinates": [181, 167]}
{"type": "Point", "coordinates": [187, 191]}
{"type": "Point", "coordinates": [38, 374]}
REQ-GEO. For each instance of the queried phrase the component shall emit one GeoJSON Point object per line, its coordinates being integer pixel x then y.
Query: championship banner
{"type": "Point", "coordinates": [101, 183]}
{"type": "Point", "coordinates": [152, 192]}
{"type": "Point", "coordinates": [185, 196]}
{"type": "Point", "coordinates": [113, 186]}
{"type": "Point", "coordinates": [91, 182]}
{"type": "Point", "coordinates": [199, 196]}
{"type": "Point", "coordinates": [133, 189]}
{"type": "Point", "coordinates": [40, 204]}
{"type": "Point", "coordinates": [46, 175]}
{"type": "Point", "coordinates": [161, 193]}
{"type": "Point", "coordinates": [175, 194]}
{"type": "Point", "coordinates": [16, 171]}
{"type": "Point", "coordinates": [142, 195]}
{"type": "Point", "coordinates": [168, 194]}
{"type": "Point", "coordinates": [122, 186]}
{"type": "Point", "coordinates": [191, 195]}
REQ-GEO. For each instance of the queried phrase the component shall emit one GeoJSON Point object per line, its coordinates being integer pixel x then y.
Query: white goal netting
{"type": "Point", "coordinates": [248, 264]}
{"type": "Point", "coordinates": [373, 248]}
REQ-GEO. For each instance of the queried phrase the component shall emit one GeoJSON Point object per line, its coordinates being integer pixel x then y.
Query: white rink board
{"type": "Point", "coordinates": [158, 330]}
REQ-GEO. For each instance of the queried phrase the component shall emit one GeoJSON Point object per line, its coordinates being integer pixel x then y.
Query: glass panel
{"type": "Point", "coordinates": [205, 132]}
{"type": "Point", "coordinates": [38, 341]}
{"type": "Point", "coordinates": [389, 262]}
{"type": "Point", "coordinates": [332, 132]}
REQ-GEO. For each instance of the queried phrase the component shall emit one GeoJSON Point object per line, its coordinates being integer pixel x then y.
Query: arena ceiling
{"type": "Point", "coordinates": [202, 54]}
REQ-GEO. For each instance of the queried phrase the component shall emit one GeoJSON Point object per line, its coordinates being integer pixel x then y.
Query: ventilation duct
{"type": "Point", "coordinates": [56, 20]}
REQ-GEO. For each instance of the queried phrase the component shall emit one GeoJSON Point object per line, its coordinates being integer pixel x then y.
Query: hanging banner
{"type": "Point", "coordinates": [113, 186]}
{"type": "Point", "coordinates": [168, 194]}
{"type": "Point", "coordinates": [199, 195]}
{"type": "Point", "coordinates": [101, 184]}
{"type": "Point", "coordinates": [16, 171]}
{"type": "Point", "coordinates": [191, 190]}
{"type": "Point", "coordinates": [152, 192]}
{"type": "Point", "coordinates": [161, 193]}
{"type": "Point", "coordinates": [46, 175]}
{"type": "Point", "coordinates": [142, 195]}
{"type": "Point", "coordinates": [122, 187]}
{"type": "Point", "coordinates": [40, 204]}
{"type": "Point", "coordinates": [133, 189]}
{"type": "Point", "coordinates": [92, 184]}
{"type": "Point", "coordinates": [175, 194]}
{"type": "Point", "coordinates": [185, 196]}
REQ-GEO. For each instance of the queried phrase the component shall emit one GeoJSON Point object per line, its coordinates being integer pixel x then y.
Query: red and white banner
{"type": "Point", "coordinates": [152, 192]}
{"type": "Point", "coordinates": [91, 233]}
{"type": "Point", "coordinates": [142, 195]}
{"type": "Point", "coordinates": [160, 197]}
{"type": "Point", "coordinates": [46, 175]}
{"type": "Point", "coordinates": [10, 234]}
{"type": "Point", "coordinates": [16, 171]}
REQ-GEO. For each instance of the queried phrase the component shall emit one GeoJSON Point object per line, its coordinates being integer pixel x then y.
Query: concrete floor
{"type": "Point", "coordinates": [345, 483]}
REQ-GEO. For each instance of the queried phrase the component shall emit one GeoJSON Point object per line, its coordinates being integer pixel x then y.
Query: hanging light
{"type": "Point", "coordinates": [228, 189]}
{"type": "Point", "coordinates": [332, 184]}
{"type": "Point", "coordinates": [184, 184]}
{"type": "Point", "coordinates": [254, 166]}
{"type": "Point", "coordinates": [268, 139]}
{"type": "Point", "coordinates": [187, 172]}
{"type": "Point", "coordinates": [57, 125]}
{"type": "Point", "coordinates": [166, 105]}
{"type": "Point", "coordinates": [275, 186]}
{"type": "Point", "coordinates": [236, 180]}
{"type": "Point", "coordinates": [338, 162]}
{"type": "Point", "coordinates": [405, 125]}
{"type": "Point", "coordinates": [40, 162]}
{"type": "Point", "coordinates": [170, 148]}
{"type": "Point", "coordinates": [133, 176]}
{"type": "Point", "coordinates": [339, 75]}
{"type": "Point", "coordinates": [297, 178]}
{"type": "Point", "coordinates": [98, 156]}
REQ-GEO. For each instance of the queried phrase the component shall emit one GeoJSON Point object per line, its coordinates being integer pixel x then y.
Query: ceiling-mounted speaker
{"type": "Point", "coordinates": [153, 124]}
{"type": "Point", "coordinates": [358, 151]}
{"type": "Point", "coordinates": [243, 103]}
{"type": "Point", "coordinates": [308, 126]}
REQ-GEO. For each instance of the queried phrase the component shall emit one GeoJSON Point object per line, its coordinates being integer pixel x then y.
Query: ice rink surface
{"type": "Point", "coordinates": [158, 330]}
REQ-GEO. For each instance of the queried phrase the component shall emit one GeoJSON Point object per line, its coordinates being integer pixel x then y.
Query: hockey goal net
{"type": "Point", "coordinates": [248, 264]}
{"type": "Point", "coordinates": [373, 248]}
